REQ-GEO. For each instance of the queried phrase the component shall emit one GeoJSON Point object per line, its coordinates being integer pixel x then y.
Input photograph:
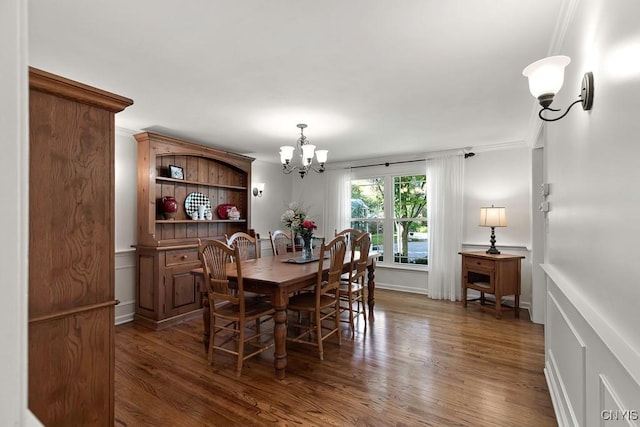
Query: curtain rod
{"type": "Point", "coordinates": [466, 156]}
{"type": "Point", "coordinates": [388, 163]}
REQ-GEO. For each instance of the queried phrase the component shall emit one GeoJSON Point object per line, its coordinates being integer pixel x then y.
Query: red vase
{"type": "Point", "coordinates": [169, 207]}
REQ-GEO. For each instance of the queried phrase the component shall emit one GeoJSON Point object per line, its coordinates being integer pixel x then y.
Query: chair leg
{"type": "Point", "coordinates": [353, 329]}
{"type": "Point", "coordinates": [319, 334]}
{"type": "Point", "coordinates": [241, 327]}
{"type": "Point", "coordinates": [212, 338]}
{"type": "Point", "coordinates": [364, 309]}
{"type": "Point", "coordinates": [337, 319]}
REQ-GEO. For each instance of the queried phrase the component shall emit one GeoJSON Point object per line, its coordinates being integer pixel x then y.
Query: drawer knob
{"type": "Point", "coordinates": [184, 257]}
{"type": "Point", "coordinates": [478, 262]}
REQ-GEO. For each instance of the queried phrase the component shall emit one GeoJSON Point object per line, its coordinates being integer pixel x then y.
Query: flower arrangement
{"type": "Point", "coordinates": [294, 216]}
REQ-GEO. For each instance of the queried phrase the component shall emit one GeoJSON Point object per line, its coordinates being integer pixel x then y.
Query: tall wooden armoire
{"type": "Point", "coordinates": [71, 251]}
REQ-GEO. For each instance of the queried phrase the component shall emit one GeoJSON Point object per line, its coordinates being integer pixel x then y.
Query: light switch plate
{"type": "Point", "coordinates": [544, 189]}
{"type": "Point", "coordinates": [544, 206]}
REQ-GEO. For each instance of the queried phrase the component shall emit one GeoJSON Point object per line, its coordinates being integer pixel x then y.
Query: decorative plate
{"type": "Point", "coordinates": [194, 200]}
{"type": "Point", "coordinates": [223, 210]}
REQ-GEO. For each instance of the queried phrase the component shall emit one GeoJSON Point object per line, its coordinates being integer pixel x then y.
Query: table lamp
{"type": "Point", "coordinates": [493, 217]}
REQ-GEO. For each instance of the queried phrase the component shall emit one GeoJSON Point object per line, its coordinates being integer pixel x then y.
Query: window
{"type": "Point", "coordinates": [401, 236]}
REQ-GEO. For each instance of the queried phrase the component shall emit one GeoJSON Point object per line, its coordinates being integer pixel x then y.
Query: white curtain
{"type": "Point", "coordinates": [337, 197]}
{"type": "Point", "coordinates": [445, 180]}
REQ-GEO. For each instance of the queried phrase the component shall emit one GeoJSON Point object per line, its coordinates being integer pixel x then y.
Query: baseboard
{"type": "Point", "coordinates": [398, 288]}
{"type": "Point", "coordinates": [125, 312]}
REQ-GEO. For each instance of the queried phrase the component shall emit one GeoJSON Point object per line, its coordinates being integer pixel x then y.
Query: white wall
{"type": "Point", "coordinates": [14, 217]}
{"type": "Point", "coordinates": [501, 178]}
{"type": "Point", "coordinates": [591, 256]}
{"type": "Point", "coordinates": [126, 217]}
{"type": "Point", "coordinates": [266, 210]}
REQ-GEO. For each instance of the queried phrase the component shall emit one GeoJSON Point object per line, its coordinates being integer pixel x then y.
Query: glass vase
{"type": "Point", "coordinates": [307, 250]}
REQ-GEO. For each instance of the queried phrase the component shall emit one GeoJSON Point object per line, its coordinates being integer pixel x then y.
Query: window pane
{"type": "Point", "coordinates": [410, 196]}
{"type": "Point", "coordinates": [410, 232]}
{"type": "Point", "coordinates": [367, 198]}
{"type": "Point", "coordinates": [367, 209]}
{"type": "Point", "coordinates": [411, 242]}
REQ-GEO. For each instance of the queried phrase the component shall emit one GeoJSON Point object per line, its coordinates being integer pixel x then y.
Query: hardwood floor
{"type": "Point", "coordinates": [419, 363]}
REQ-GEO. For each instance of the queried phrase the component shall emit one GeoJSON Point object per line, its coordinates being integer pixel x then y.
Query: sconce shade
{"type": "Point", "coordinates": [546, 76]}
{"type": "Point", "coordinates": [493, 217]}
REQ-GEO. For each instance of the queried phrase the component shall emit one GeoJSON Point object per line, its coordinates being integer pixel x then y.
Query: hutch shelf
{"type": "Point", "coordinates": [166, 251]}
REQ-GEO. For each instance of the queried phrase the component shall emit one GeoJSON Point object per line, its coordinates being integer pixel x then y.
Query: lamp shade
{"type": "Point", "coordinates": [286, 153]}
{"type": "Point", "coordinates": [493, 217]}
{"type": "Point", "coordinates": [307, 153]}
{"type": "Point", "coordinates": [321, 155]}
{"type": "Point", "coordinates": [546, 75]}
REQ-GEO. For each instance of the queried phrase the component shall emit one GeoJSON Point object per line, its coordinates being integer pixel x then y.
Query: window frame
{"type": "Point", "coordinates": [388, 173]}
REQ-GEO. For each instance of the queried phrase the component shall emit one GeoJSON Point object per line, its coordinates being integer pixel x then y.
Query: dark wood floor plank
{"type": "Point", "coordinates": [419, 363]}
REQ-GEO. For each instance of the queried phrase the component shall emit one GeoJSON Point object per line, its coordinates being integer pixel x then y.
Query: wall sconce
{"type": "Point", "coordinates": [545, 81]}
{"type": "Point", "coordinates": [493, 217]}
{"type": "Point", "coordinates": [258, 189]}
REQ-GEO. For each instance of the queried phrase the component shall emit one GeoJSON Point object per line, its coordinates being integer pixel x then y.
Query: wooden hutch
{"type": "Point", "coordinates": [166, 292]}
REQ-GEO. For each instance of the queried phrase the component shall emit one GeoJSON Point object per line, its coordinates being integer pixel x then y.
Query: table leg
{"type": "Point", "coordinates": [498, 307]}
{"type": "Point", "coordinates": [280, 338]}
{"type": "Point", "coordinates": [517, 305]}
{"type": "Point", "coordinates": [371, 284]}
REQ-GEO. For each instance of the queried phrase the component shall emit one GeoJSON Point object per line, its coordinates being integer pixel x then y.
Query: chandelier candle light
{"type": "Point", "coordinates": [306, 155]}
{"type": "Point", "coordinates": [493, 217]}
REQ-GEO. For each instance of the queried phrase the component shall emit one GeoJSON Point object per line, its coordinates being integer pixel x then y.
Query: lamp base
{"type": "Point", "coordinates": [492, 250]}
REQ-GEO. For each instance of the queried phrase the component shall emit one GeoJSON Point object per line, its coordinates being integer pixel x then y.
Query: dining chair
{"type": "Point", "coordinates": [247, 245]}
{"type": "Point", "coordinates": [231, 309]}
{"type": "Point", "coordinates": [350, 233]}
{"type": "Point", "coordinates": [352, 290]}
{"type": "Point", "coordinates": [323, 304]}
{"type": "Point", "coordinates": [281, 241]}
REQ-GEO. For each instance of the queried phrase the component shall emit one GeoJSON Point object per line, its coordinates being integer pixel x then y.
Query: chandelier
{"type": "Point", "coordinates": [306, 156]}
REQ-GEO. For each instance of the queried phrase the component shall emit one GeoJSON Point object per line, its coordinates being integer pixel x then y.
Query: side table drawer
{"type": "Point", "coordinates": [475, 263]}
{"type": "Point", "coordinates": [182, 256]}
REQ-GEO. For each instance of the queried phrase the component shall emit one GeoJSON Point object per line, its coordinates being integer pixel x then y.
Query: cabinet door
{"type": "Point", "coordinates": [181, 294]}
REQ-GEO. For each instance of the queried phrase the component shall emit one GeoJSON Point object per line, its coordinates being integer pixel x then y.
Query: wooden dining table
{"type": "Point", "coordinates": [278, 279]}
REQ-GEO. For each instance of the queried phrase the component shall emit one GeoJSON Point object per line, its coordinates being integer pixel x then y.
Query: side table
{"type": "Point", "coordinates": [498, 275]}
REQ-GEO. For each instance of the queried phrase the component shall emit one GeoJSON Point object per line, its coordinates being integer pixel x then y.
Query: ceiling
{"type": "Point", "coordinates": [371, 78]}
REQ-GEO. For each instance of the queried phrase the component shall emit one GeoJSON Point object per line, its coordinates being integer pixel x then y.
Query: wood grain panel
{"type": "Point", "coordinates": [69, 202]}
{"type": "Point", "coordinates": [73, 390]}
{"type": "Point", "coordinates": [183, 291]}
{"type": "Point", "coordinates": [146, 294]}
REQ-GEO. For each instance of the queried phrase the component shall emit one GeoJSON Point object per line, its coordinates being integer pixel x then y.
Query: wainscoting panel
{"type": "Point", "coordinates": [591, 383]}
{"type": "Point", "coordinates": [125, 278]}
{"type": "Point", "coordinates": [566, 361]}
